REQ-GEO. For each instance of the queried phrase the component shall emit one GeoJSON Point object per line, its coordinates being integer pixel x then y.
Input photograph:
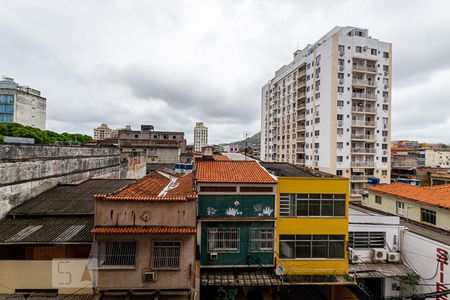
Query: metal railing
{"type": "Point", "coordinates": [358, 177]}
{"type": "Point", "coordinates": [363, 109]}
{"type": "Point", "coordinates": [364, 68]}
{"type": "Point", "coordinates": [362, 163]}
{"type": "Point", "coordinates": [363, 137]}
{"type": "Point", "coordinates": [364, 96]}
{"type": "Point", "coordinates": [362, 123]}
{"type": "Point", "coordinates": [363, 150]}
{"type": "Point", "coordinates": [356, 191]}
{"type": "Point", "coordinates": [363, 82]}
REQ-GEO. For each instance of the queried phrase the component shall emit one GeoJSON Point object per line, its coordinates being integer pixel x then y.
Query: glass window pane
{"type": "Point", "coordinates": [327, 196]}
{"type": "Point", "coordinates": [303, 249]}
{"type": "Point", "coordinates": [287, 249]}
{"type": "Point", "coordinates": [327, 208]}
{"type": "Point", "coordinates": [314, 208]}
{"type": "Point", "coordinates": [339, 196]}
{"type": "Point", "coordinates": [339, 208]}
{"type": "Point", "coordinates": [314, 196]}
{"type": "Point", "coordinates": [302, 207]}
{"type": "Point", "coordinates": [336, 250]}
{"type": "Point", "coordinates": [319, 249]}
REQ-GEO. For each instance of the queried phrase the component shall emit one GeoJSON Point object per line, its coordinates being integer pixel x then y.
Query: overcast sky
{"type": "Point", "coordinates": [172, 63]}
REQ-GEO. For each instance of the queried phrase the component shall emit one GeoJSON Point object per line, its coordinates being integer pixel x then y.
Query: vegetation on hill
{"type": "Point", "coordinates": [252, 141]}
{"type": "Point", "coordinates": [41, 136]}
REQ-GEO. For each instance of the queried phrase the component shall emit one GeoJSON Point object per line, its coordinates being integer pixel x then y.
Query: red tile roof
{"type": "Point", "coordinates": [220, 157]}
{"type": "Point", "coordinates": [232, 172]}
{"type": "Point", "coordinates": [152, 186]}
{"type": "Point", "coordinates": [435, 196]}
{"type": "Point", "coordinates": [144, 230]}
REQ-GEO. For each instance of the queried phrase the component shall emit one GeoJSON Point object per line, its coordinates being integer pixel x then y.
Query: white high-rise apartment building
{"type": "Point", "coordinates": [200, 136]}
{"type": "Point", "coordinates": [330, 108]}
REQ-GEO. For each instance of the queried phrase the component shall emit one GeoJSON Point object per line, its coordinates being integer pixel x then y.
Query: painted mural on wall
{"type": "Point", "coordinates": [236, 206]}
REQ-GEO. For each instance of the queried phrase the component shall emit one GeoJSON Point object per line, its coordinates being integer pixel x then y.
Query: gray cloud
{"type": "Point", "coordinates": [172, 63]}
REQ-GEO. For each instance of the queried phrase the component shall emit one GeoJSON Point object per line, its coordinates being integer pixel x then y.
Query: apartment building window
{"type": "Point", "coordinates": [317, 95]}
{"type": "Point", "coordinates": [385, 107]}
{"type": "Point", "coordinates": [316, 157]}
{"type": "Point", "coordinates": [340, 131]}
{"type": "Point", "coordinates": [340, 117]}
{"type": "Point", "coordinates": [385, 54]}
{"type": "Point", "coordinates": [223, 240]}
{"type": "Point", "coordinates": [317, 120]}
{"type": "Point", "coordinates": [312, 205]}
{"type": "Point", "coordinates": [340, 89]}
{"type": "Point", "coordinates": [261, 239]}
{"type": "Point", "coordinates": [166, 255]}
{"type": "Point", "coordinates": [116, 255]}
{"type": "Point", "coordinates": [428, 216]}
{"type": "Point", "coordinates": [400, 208]}
{"type": "Point", "coordinates": [385, 68]}
{"type": "Point", "coordinates": [339, 145]}
{"type": "Point", "coordinates": [341, 49]}
{"type": "Point", "coordinates": [358, 49]}
{"type": "Point", "coordinates": [384, 172]}
{"type": "Point", "coordinates": [385, 81]}
{"type": "Point", "coordinates": [384, 133]}
{"type": "Point", "coordinates": [378, 199]}
{"type": "Point", "coordinates": [339, 159]}
{"type": "Point", "coordinates": [373, 51]}
{"type": "Point", "coordinates": [316, 133]}
{"type": "Point", "coordinates": [384, 146]}
{"type": "Point", "coordinates": [312, 246]}
{"type": "Point", "coordinates": [366, 240]}
{"type": "Point", "coordinates": [316, 145]}
{"type": "Point", "coordinates": [340, 75]}
{"type": "Point", "coordinates": [339, 172]}
{"type": "Point", "coordinates": [340, 103]}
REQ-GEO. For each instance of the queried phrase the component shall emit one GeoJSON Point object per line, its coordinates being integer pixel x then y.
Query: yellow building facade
{"type": "Point", "coordinates": [312, 225]}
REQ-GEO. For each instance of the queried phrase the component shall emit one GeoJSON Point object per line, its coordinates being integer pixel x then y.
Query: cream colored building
{"type": "Point", "coordinates": [434, 158]}
{"type": "Point", "coordinates": [330, 108]}
{"type": "Point", "coordinates": [200, 136]}
{"type": "Point", "coordinates": [427, 205]}
{"type": "Point", "coordinates": [103, 132]}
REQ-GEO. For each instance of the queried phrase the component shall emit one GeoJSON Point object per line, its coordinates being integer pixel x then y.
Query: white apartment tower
{"type": "Point", "coordinates": [330, 108]}
{"type": "Point", "coordinates": [200, 136]}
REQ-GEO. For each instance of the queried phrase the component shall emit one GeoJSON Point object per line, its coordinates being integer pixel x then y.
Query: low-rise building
{"type": "Point", "coordinates": [56, 224]}
{"type": "Point", "coordinates": [236, 221]}
{"type": "Point", "coordinates": [159, 147]}
{"type": "Point", "coordinates": [145, 238]}
{"type": "Point", "coordinates": [21, 104]}
{"type": "Point", "coordinates": [231, 148]}
{"type": "Point", "coordinates": [428, 205]}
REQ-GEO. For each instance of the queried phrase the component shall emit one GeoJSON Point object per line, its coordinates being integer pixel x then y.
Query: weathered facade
{"type": "Point", "coordinates": [145, 237]}
{"type": "Point", "coordinates": [28, 170]}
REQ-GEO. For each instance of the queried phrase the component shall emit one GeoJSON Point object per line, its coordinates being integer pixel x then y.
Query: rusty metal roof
{"type": "Point", "coordinates": [378, 270]}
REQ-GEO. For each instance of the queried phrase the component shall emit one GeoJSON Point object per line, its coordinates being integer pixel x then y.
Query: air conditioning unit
{"type": "Point", "coordinates": [341, 67]}
{"type": "Point", "coordinates": [341, 53]}
{"type": "Point", "coordinates": [148, 275]}
{"type": "Point", "coordinates": [386, 73]}
{"type": "Point", "coordinates": [340, 123]}
{"type": "Point", "coordinates": [386, 86]}
{"type": "Point", "coordinates": [385, 139]}
{"type": "Point", "coordinates": [341, 81]}
{"type": "Point", "coordinates": [354, 258]}
{"type": "Point", "coordinates": [365, 48]}
{"type": "Point", "coordinates": [393, 257]}
{"type": "Point", "coordinates": [378, 254]}
{"type": "Point", "coordinates": [385, 152]}
{"type": "Point", "coordinates": [213, 255]}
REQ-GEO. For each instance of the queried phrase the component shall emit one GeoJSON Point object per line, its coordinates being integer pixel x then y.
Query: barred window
{"type": "Point", "coordinates": [261, 239]}
{"type": "Point", "coordinates": [312, 246]}
{"type": "Point", "coordinates": [166, 255]}
{"type": "Point", "coordinates": [366, 240]}
{"type": "Point", "coordinates": [116, 255]}
{"type": "Point", "coordinates": [312, 205]}
{"type": "Point", "coordinates": [222, 240]}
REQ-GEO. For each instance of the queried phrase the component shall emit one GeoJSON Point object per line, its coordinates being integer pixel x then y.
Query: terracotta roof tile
{"type": "Point", "coordinates": [220, 157]}
{"type": "Point", "coordinates": [232, 172]}
{"type": "Point", "coordinates": [151, 186]}
{"type": "Point", "coordinates": [436, 196]}
{"type": "Point", "coordinates": [144, 230]}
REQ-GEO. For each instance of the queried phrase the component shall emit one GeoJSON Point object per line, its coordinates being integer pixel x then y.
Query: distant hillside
{"type": "Point", "coordinates": [251, 141]}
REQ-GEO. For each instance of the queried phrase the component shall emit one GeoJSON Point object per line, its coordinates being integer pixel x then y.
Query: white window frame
{"type": "Point", "coordinates": [263, 238]}
{"type": "Point", "coordinates": [175, 264]}
{"type": "Point", "coordinates": [102, 255]}
{"type": "Point", "coordinates": [224, 235]}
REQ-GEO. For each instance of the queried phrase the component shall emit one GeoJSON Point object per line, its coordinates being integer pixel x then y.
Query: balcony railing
{"type": "Point", "coordinates": [301, 161]}
{"type": "Point", "coordinates": [364, 96]}
{"type": "Point", "coordinates": [301, 95]}
{"type": "Point", "coordinates": [363, 150]}
{"type": "Point", "coordinates": [362, 164]}
{"type": "Point", "coordinates": [363, 109]}
{"type": "Point", "coordinates": [356, 191]}
{"type": "Point", "coordinates": [362, 123]}
{"type": "Point", "coordinates": [300, 150]}
{"type": "Point", "coordinates": [301, 105]}
{"type": "Point", "coordinates": [363, 82]}
{"type": "Point", "coordinates": [364, 68]}
{"type": "Point", "coordinates": [363, 137]}
{"type": "Point", "coordinates": [300, 139]}
{"type": "Point", "coordinates": [301, 128]}
{"type": "Point", "coordinates": [358, 178]}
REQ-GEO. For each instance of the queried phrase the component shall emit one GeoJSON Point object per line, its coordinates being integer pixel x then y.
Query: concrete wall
{"type": "Point", "coordinates": [28, 170]}
{"type": "Point", "coordinates": [129, 213]}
